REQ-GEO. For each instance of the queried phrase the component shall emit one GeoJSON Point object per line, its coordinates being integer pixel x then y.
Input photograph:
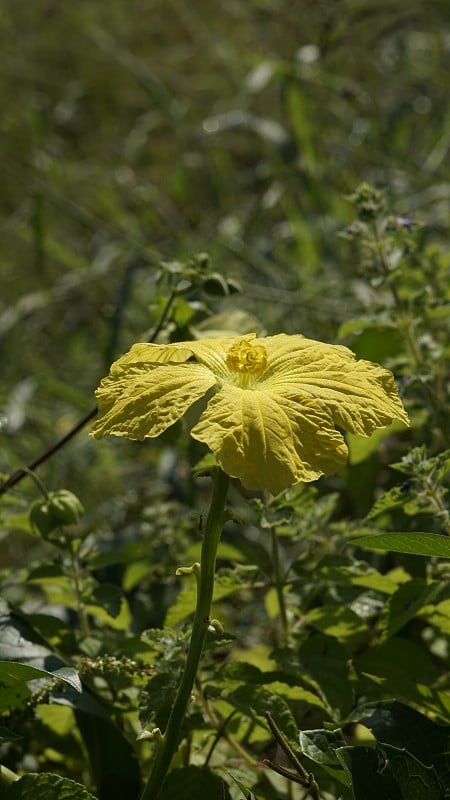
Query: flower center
{"type": "Point", "coordinates": [245, 358]}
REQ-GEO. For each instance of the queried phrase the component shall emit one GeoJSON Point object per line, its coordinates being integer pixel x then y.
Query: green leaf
{"type": "Point", "coordinates": [113, 760]}
{"type": "Point", "coordinates": [339, 622]}
{"type": "Point", "coordinates": [184, 605]}
{"type": "Point", "coordinates": [320, 747]}
{"type": "Point", "coordinates": [20, 643]}
{"type": "Point", "coordinates": [419, 544]}
{"type": "Point", "coordinates": [108, 596]}
{"type": "Point", "coordinates": [13, 695]}
{"type": "Point", "coordinates": [193, 783]}
{"type": "Point", "coordinates": [46, 786]}
{"type": "Point", "coordinates": [416, 780]}
{"type": "Point", "coordinates": [12, 672]}
{"type": "Point", "coordinates": [6, 735]}
{"type": "Point", "coordinates": [404, 605]}
{"type": "Point", "coordinates": [365, 770]}
{"type": "Point", "coordinates": [156, 700]}
{"type": "Point", "coordinates": [246, 793]}
{"type": "Point", "coordinates": [438, 615]}
{"type": "Point", "coordinates": [256, 700]}
{"type": "Point", "coordinates": [395, 723]}
{"type": "Point", "coordinates": [405, 670]}
{"type": "Point", "coordinates": [325, 661]}
{"type": "Point", "coordinates": [394, 498]}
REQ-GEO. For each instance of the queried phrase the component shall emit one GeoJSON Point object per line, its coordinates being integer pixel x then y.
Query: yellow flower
{"type": "Point", "coordinates": [271, 405]}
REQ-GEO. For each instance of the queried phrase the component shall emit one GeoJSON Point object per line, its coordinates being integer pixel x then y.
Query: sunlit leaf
{"type": "Point", "coordinates": [12, 671]}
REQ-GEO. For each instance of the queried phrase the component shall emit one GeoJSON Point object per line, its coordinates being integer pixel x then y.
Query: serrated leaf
{"type": "Point", "coordinates": [368, 779]}
{"type": "Point", "coordinates": [320, 747]}
{"type": "Point", "coordinates": [419, 544]}
{"type": "Point", "coordinates": [394, 498]}
{"type": "Point", "coordinates": [416, 780]}
{"type": "Point", "coordinates": [256, 700]}
{"type": "Point", "coordinates": [156, 700]}
{"type": "Point", "coordinates": [47, 786]}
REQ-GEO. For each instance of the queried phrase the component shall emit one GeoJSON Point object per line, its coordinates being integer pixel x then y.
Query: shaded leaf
{"type": "Point", "coordinates": [246, 793]}
{"type": "Point", "coordinates": [192, 783]}
{"type": "Point", "coordinates": [404, 604]}
{"type": "Point", "coordinates": [256, 700]}
{"type": "Point", "coordinates": [325, 661]}
{"type": "Point", "coordinates": [46, 786]}
{"type": "Point", "coordinates": [416, 780]}
{"type": "Point", "coordinates": [184, 605]}
{"type": "Point", "coordinates": [8, 736]}
{"type": "Point", "coordinates": [364, 767]}
{"type": "Point", "coordinates": [408, 671]}
{"type": "Point", "coordinates": [108, 596]}
{"type": "Point", "coordinates": [399, 725]}
{"type": "Point", "coordinates": [113, 760]}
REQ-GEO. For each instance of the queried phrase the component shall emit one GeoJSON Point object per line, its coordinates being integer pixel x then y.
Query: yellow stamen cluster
{"type": "Point", "coordinates": [246, 358]}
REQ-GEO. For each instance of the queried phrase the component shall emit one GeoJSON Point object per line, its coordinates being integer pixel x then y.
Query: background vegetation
{"type": "Point", "coordinates": [136, 138]}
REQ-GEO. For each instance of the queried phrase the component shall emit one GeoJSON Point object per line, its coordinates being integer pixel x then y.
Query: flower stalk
{"type": "Point", "coordinates": [205, 587]}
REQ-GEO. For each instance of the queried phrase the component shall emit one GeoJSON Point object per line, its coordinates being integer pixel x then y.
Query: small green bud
{"type": "Point", "coordinates": [58, 508]}
{"type": "Point", "coordinates": [369, 202]}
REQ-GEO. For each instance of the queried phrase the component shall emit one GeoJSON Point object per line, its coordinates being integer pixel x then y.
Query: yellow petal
{"type": "Point", "coordinates": [359, 395]}
{"type": "Point", "coordinates": [148, 353]}
{"type": "Point", "coordinates": [139, 399]}
{"type": "Point", "coordinates": [267, 441]}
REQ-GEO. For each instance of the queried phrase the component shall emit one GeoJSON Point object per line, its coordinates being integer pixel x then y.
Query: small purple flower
{"type": "Point", "coordinates": [404, 222]}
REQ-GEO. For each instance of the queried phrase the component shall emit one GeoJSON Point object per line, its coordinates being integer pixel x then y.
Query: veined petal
{"type": "Point", "coordinates": [149, 353]}
{"type": "Point", "coordinates": [213, 352]}
{"type": "Point", "coordinates": [140, 399]}
{"type": "Point", "coordinates": [359, 395]}
{"type": "Point", "coordinates": [270, 441]}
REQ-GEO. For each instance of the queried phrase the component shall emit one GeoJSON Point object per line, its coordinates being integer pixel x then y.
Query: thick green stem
{"type": "Point", "coordinates": [211, 536]}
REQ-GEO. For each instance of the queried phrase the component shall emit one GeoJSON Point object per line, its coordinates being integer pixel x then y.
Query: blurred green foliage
{"type": "Point", "coordinates": [304, 148]}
